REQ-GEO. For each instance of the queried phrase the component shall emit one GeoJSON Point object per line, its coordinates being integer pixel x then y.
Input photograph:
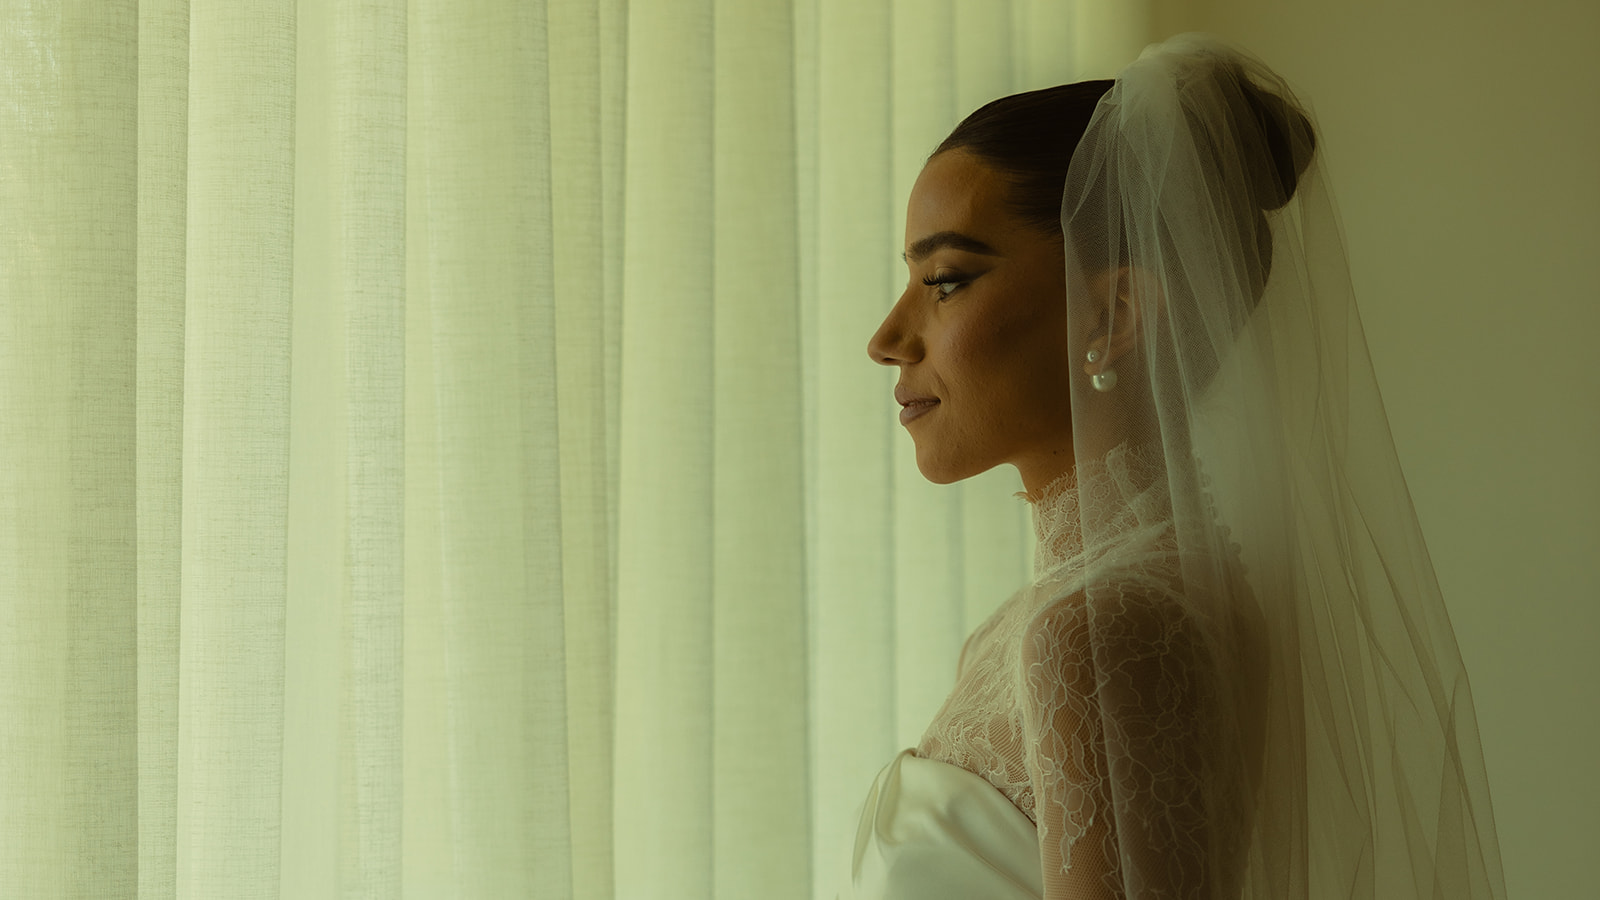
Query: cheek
{"type": "Point", "coordinates": [975, 347]}
{"type": "Point", "coordinates": [1011, 356]}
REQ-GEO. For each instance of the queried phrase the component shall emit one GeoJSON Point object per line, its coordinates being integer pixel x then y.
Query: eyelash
{"type": "Point", "coordinates": [945, 279]}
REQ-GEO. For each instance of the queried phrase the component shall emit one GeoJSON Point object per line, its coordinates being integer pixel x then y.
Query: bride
{"type": "Point", "coordinates": [1232, 675]}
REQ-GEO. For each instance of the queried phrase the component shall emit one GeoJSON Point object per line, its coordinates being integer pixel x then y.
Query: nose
{"type": "Point", "coordinates": [895, 342]}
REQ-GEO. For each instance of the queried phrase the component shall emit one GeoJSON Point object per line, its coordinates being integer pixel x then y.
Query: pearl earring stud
{"type": "Point", "coordinates": [1105, 380]}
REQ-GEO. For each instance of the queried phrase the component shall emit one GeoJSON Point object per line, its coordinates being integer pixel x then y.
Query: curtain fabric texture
{"type": "Point", "coordinates": [438, 453]}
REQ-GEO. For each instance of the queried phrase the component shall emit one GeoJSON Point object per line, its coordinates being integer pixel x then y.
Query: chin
{"type": "Point", "coordinates": [948, 471]}
{"type": "Point", "coordinates": [939, 477]}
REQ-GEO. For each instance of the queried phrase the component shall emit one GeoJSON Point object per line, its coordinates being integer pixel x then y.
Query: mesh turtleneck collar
{"type": "Point", "coordinates": [1126, 499]}
{"type": "Point", "coordinates": [1057, 524]}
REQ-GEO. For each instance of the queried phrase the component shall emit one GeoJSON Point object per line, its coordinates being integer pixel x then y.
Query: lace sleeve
{"type": "Point", "coordinates": [1113, 715]}
{"type": "Point", "coordinates": [961, 661]}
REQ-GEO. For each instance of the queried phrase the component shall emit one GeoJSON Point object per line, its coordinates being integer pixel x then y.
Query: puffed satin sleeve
{"type": "Point", "coordinates": [1115, 694]}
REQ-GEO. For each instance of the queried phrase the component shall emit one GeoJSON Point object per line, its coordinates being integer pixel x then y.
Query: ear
{"type": "Point", "coordinates": [1133, 295]}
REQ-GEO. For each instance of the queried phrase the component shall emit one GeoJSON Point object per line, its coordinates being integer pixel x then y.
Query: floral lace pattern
{"type": "Point", "coordinates": [1091, 698]}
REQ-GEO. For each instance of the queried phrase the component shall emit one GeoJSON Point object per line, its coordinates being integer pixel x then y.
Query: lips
{"type": "Point", "coordinates": [914, 404]}
{"type": "Point", "coordinates": [916, 410]}
{"type": "Point", "coordinates": [906, 396]}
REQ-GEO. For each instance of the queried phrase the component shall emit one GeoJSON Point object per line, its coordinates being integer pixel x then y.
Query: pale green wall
{"type": "Point", "coordinates": [1463, 140]}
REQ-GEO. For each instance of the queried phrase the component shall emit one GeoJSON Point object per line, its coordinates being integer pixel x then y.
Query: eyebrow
{"type": "Point", "coordinates": [953, 239]}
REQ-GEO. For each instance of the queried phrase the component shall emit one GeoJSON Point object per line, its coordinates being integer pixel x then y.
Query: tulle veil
{"type": "Point", "coordinates": [1282, 707]}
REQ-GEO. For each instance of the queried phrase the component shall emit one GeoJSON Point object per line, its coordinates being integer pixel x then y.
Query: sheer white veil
{"type": "Point", "coordinates": [1281, 706]}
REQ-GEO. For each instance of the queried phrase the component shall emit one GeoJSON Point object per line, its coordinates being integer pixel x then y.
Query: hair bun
{"type": "Point", "coordinates": [1289, 141]}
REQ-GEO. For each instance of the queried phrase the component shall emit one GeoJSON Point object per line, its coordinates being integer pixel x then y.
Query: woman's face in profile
{"type": "Point", "coordinates": [982, 351]}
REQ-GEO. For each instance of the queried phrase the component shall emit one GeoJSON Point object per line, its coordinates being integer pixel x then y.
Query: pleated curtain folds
{"type": "Point", "coordinates": [438, 452]}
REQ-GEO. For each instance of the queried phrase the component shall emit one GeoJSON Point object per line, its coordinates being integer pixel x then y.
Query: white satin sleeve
{"type": "Point", "coordinates": [933, 831]}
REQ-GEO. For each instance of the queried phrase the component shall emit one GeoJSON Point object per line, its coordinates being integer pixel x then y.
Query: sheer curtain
{"type": "Point", "coordinates": [438, 454]}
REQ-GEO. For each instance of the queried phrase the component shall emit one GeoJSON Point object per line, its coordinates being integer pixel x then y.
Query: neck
{"type": "Point", "coordinates": [1044, 487]}
{"type": "Point", "coordinates": [1044, 470]}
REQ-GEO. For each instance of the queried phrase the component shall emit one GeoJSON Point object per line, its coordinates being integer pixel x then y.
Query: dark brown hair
{"type": "Point", "coordinates": [1030, 138]}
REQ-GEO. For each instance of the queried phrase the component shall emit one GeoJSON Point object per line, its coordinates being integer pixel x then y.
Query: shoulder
{"type": "Point", "coordinates": [1057, 626]}
{"type": "Point", "coordinates": [1136, 602]}
{"type": "Point", "coordinates": [1109, 620]}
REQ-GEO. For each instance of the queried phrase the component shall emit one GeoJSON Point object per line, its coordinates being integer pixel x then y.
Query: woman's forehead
{"type": "Point", "coordinates": [957, 192]}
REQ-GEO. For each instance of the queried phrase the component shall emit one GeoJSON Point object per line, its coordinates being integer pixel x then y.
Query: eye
{"type": "Point", "coordinates": [948, 283]}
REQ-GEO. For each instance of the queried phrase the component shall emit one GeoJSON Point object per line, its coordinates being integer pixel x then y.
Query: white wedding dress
{"type": "Point", "coordinates": [959, 815]}
{"type": "Point", "coordinates": [931, 830]}
{"type": "Point", "coordinates": [954, 816]}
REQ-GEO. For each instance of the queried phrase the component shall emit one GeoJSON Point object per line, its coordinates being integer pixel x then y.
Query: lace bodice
{"type": "Point", "coordinates": [1052, 680]}
{"type": "Point", "coordinates": [980, 726]}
